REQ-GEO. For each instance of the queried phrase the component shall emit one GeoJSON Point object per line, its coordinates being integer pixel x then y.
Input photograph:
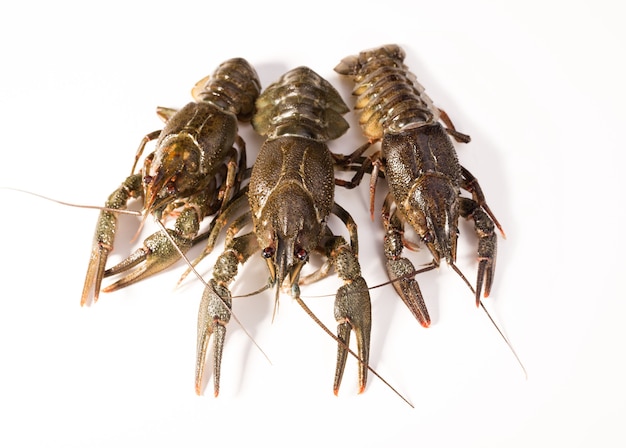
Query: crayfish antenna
{"type": "Point", "coordinates": [408, 275]}
{"type": "Point", "coordinates": [70, 204]}
{"type": "Point", "coordinates": [506, 340]}
{"type": "Point", "coordinates": [276, 302]}
{"type": "Point", "coordinates": [480, 302]}
{"type": "Point", "coordinates": [253, 293]}
{"type": "Point", "coordinates": [458, 271]}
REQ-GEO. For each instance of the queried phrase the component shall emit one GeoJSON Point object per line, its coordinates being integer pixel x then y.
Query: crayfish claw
{"type": "Point", "coordinates": [343, 333]}
{"type": "Point", "coordinates": [402, 275]}
{"type": "Point", "coordinates": [129, 262]}
{"type": "Point", "coordinates": [486, 270]}
{"type": "Point", "coordinates": [104, 235]}
{"type": "Point", "coordinates": [95, 272]}
{"type": "Point", "coordinates": [353, 311]}
{"type": "Point", "coordinates": [158, 253]}
{"type": "Point", "coordinates": [487, 245]}
{"type": "Point", "coordinates": [214, 314]}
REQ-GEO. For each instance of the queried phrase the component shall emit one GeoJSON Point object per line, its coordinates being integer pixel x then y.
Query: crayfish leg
{"type": "Point", "coordinates": [451, 130]}
{"type": "Point", "coordinates": [470, 184]}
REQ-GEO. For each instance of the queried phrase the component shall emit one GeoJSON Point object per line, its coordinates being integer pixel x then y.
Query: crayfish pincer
{"type": "Point", "coordinates": [419, 162]}
{"type": "Point", "coordinates": [198, 164]}
{"type": "Point", "coordinates": [291, 196]}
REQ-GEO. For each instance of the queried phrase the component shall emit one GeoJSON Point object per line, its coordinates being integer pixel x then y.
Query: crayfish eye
{"type": "Point", "coordinates": [147, 180]}
{"type": "Point", "coordinates": [428, 238]}
{"type": "Point", "coordinates": [268, 252]}
{"type": "Point", "coordinates": [302, 254]}
{"type": "Point", "coordinates": [171, 187]}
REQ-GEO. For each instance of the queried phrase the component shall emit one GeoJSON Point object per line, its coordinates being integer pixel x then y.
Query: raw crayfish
{"type": "Point", "coordinates": [291, 196]}
{"type": "Point", "coordinates": [197, 166]}
{"type": "Point", "coordinates": [421, 167]}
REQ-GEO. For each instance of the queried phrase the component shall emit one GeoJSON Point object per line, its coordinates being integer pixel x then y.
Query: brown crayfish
{"type": "Point", "coordinates": [197, 166]}
{"type": "Point", "coordinates": [290, 197]}
{"type": "Point", "coordinates": [422, 170]}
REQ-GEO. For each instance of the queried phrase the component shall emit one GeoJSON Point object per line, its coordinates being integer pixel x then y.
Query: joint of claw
{"type": "Point", "coordinates": [347, 265]}
{"type": "Point", "coordinates": [105, 246]}
{"type": "Point", "coordinates": [344, 320]}
{"type": "Point", "coordinates": [218, 321]}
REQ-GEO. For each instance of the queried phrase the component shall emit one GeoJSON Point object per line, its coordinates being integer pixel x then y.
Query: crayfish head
{"type": "Point", "coordinates": [170, 172]}
{"type": "Point", "coordinates": [287, 230]}
{"type": "Point", "coordinates": [432, 209]}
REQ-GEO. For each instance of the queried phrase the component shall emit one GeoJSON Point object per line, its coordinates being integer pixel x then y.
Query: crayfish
{"type": "Point", "coordinates": [290, 197]}
{"type": "Point", "coordinates": [198, 164]}
{"type": "Point", "coordinates": [419, 162]}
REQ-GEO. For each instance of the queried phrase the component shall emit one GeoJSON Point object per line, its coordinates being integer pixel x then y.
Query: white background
{"type": "Point", "coordinates": [538, 86]}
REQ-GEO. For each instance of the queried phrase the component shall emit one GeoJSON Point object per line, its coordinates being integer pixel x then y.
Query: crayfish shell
{"type": "Point", "coordinates": [301, 103]}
